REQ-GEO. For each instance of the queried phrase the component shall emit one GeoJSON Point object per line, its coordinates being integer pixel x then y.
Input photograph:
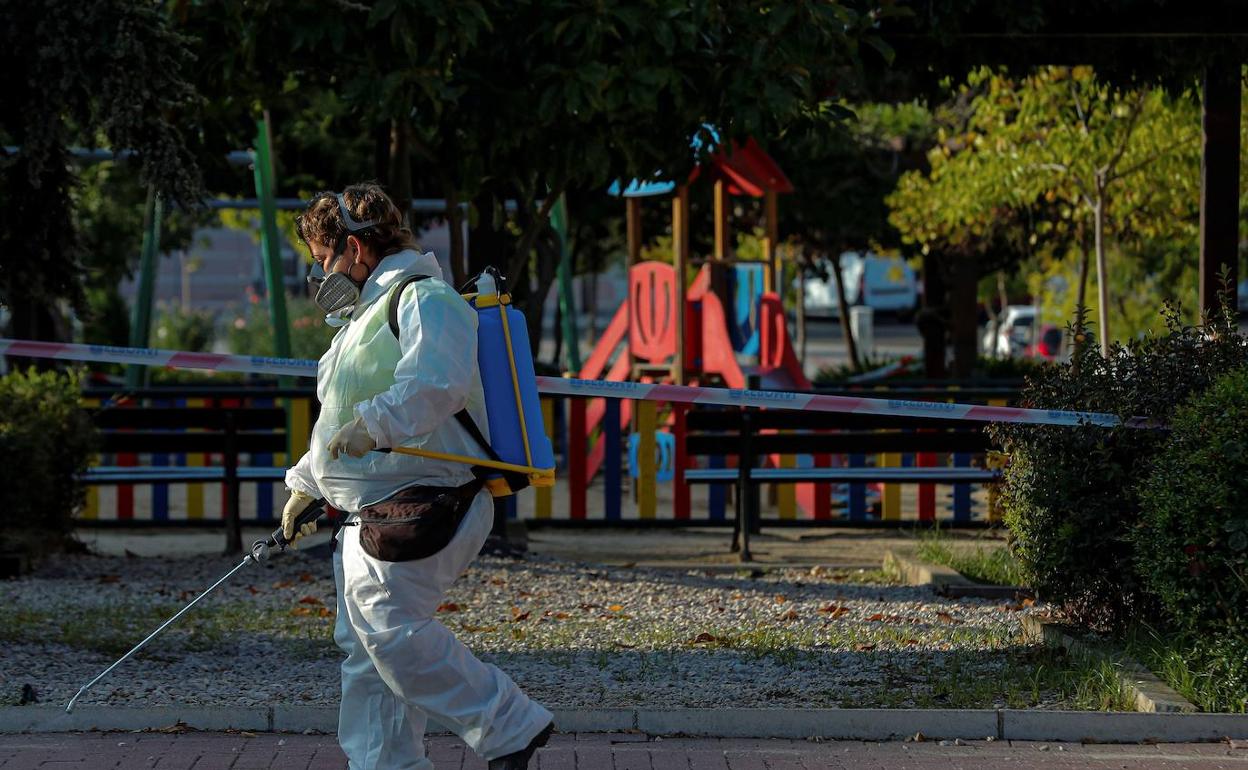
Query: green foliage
{"type": "Point", "coordinates": [123, 86]}
{"type": "Point", "coordinates": [1023, 166]}
{"type": "Point", "coordinates": [1010, 368]}
{"type": "Point", "coordinates": [1069, 493]}
{"type": "Point", "coordinates": [178, 328]}
{"type": "Point", "coordinates": [45, 441]}
{"type": "Point", "coordinates": [251, 332]}
{"type": "Point", "coordinates": [1192, 541]}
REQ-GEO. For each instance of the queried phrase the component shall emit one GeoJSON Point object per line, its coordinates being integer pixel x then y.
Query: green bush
{"type": "Point", "coordinates": [251, 333]}
{"type": "Point", "coordinates": [1070, 493]}
{"type": "Point", "coordinates": [177, 328]}
{"type": "Point", "coordinates": [1192, 542]}
{"type": "Point", "coordinates": [46, 439]}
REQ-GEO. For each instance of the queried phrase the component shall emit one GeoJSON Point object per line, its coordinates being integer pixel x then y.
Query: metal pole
{"type": "Point", "coordinates": [141, 317]}
{"type": "Point", "coordinates": [270, 240]}
{"type": "Point", "coordinates": [156, 633]}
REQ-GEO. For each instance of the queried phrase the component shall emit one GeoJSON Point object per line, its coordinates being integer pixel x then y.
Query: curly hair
{"type": "Point", "coordinates": [321, 222]}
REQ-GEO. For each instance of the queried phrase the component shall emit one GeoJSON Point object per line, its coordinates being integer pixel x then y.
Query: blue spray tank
{"type": "Point", "coordinates": [512, 403]}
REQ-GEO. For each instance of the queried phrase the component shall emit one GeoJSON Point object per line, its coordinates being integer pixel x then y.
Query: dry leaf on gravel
{"type": "Point", "coordinates": [306, 577]}
{"type": "Point", "coordinates": [448, 607]}
{"type": "Point", "coordinates": [616, 608]}
{"type": "Point", "coordinates": [835, 610]}
{"type": "Point", "coordinates": [790, 615]}
{"type": "Point", "coordinates": [877, 617]}
{"type": "Point", "coordinates": [780, 599]}
{"type": "Point", "coordinates": [310, 600]}
{"type": "Point", "coordinates": [864, 647]}
{"type": "Point", "coordinates": [517, 615]}
{"type": "Point", "coordinates": [944, 617]}
{"type": "Point", "coordinates": [703, 638]}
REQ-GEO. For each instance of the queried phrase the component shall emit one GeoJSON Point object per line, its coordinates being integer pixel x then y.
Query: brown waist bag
{"type": "Point", "coordinates": [416, 522]}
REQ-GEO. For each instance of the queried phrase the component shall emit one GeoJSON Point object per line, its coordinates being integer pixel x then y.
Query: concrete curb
{"type": "Point", "coordinates": [946, 581]}
{"type": "Point", "coordinates": [1149, 693]}
{"type": "Point", "coordinates": [840, 724]}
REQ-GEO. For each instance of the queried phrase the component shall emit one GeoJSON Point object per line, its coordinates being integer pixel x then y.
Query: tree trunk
{"type": "Point", "coordinates": [963, 296]}
{"type": "Point", "coordinates": [455, 229]}
{"type": "Point", "coordinates": [932, 320]}
{"type": "Point", "coordinates": [1102, 288]}
{"type": "Point", "coordinates": [850, 343]}
{"type": "Point", "coordinates": [400, 186]}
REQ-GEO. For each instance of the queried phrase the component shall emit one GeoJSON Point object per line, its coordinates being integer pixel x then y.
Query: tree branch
{"type": "Point", "coordinates": [1108, 169]}
{"type": "Point", "coordinates": [521, 255]}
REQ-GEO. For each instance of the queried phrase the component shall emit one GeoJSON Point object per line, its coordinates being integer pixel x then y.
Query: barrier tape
{"type": "Point", "coordinates": [637, 391]}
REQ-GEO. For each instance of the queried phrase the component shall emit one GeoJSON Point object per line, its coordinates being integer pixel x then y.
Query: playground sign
{"type": "Point", "coordinates": [636, 391]}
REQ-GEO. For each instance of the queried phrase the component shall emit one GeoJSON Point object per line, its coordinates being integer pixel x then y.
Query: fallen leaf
{"type": "Point", "coordinates": [310, 600]}
{"type": "Point", "coordinates": [498, 582]}
{"type": "Point", "coordinates": [589, 606]}
{"type": "Point", "coordinates": [703, 638]}
{"type": "Point", "coordinates": [835, 610]}
{"type": "Point", "coordinates": [1029, 602]}
{"type": "Point", "coordinates": [301, 611]}
{"type": "Point", "coordinates": [876, 617]}
{"type": "Point", "coordinates": [325, 612]}
{"type": "Point", "coordinates": [616, 608]}
{"type": "Point", "coordinates": [253, 590]}
{"type": "Point", "coordinates": [1012, 607]}
{"type": "Point", "coordinates": [790, 615]}
{"type": "Point", "coordinates": [944, 617]}
{"type": "Point", "coordinates": [283, 584]}
{"type": "Point", "coordinates": [557, 615]}
{"type": "Point", "coordinates": [911, 642]}
{"type": "Point", "coordinates": [780, 599]}
{"type": "Point", "coordinates": [864, 647]}
{"type": "Point", "coordinates": [738, 596]}
{"type": "Point", "coordinates": [306, 577]}
{"type": "Point", "coordinates": [448, 607]}
{"type": "Point", "coordinates": [523, 592]}
{"type": "Point", "coordinates": [478, 629]}
{"type": "Point", "coordinates": [517, 615]}
{"type": "Point", "coordinates": [110, 578]}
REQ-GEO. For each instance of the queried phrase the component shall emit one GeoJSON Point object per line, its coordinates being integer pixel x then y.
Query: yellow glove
{"type": "Point", "coordinates": [298, 502]}
{"type": "Point", "coordinates": [353, 439]}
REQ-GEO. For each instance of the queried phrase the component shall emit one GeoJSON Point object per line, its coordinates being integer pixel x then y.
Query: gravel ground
{"type": "Point", "coordinates": [572, 635]}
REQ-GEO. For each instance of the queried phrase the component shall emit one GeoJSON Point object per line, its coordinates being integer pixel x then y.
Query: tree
{"type": "Point", "coordinates": [515, 101]}
{"type": "Point", "coordinates": [1041, 161]}
{"type": "Point", "coordinates": [105, 72]}
{"type": "Point", "coordinates": [841, 182]}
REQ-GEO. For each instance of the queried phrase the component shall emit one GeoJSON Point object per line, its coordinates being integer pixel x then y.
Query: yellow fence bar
{"type": "Point", "coordinates": [786, 494]}
{"type": "Point", "coordinates": [890, 500]}
{"type": "Point", "coordinates": [543, 504]}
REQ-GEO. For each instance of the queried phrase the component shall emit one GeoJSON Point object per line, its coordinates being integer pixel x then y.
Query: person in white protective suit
{"type": "Point", "coordinates": [402, 666]}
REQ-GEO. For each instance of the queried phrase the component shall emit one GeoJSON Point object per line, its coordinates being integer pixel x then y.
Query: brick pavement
{"type": "Point", "coordinates": [243, 751]}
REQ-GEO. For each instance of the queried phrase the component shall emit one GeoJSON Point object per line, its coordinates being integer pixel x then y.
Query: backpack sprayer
{"type": "Point", "coordinates": [259, 552]}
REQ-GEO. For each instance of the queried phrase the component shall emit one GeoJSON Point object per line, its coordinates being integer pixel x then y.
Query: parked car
{"type": "Point", "coordinates": [1014, 334]}
{"type": "Point", "coordinates": [886, 284]}
{"type": "Point", "coordinates": [1048, 344]}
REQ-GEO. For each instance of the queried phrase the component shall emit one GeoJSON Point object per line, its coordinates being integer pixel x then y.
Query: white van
{"type": "Point", "coordinates": [886, 284]}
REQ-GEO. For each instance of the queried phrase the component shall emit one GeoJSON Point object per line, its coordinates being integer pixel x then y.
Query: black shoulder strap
{"type": "Point", "coordinates": [516, 481]}
{"type": "Point", "coordinates": [392, 309]}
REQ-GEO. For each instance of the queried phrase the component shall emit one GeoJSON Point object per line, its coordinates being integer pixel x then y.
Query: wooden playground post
{"type": "Point", "coordinates": [723, 209]}
{"type": "Point", "coordinates": [680, 257]}
{"type": "Point", "coordinates": [772, 276]}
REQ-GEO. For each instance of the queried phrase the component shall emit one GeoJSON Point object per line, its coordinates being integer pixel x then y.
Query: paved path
{"type": "Point", "coordinates": [235, 751]}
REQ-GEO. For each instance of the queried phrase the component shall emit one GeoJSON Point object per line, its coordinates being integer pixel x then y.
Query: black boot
{"type": "Point", "coordinates": [519, 760]}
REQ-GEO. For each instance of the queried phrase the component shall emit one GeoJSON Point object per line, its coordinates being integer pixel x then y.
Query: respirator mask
{"type": "Point", "coordinates": [338, 291]}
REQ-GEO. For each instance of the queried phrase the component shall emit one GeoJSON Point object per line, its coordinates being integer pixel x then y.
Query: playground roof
{"type": "Point", "coordinates": [747, 169]}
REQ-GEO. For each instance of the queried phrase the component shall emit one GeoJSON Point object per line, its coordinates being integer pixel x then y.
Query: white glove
{"type": "Point", "coordinates": [353, 439]}
{"type": "Point", "coordinates": [297, 504]}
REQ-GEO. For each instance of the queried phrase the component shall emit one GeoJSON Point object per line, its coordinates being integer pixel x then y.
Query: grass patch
{"type": "Point", "coordinates": [1032, 678]}
{"type": "Point", "coordinates": [115, 628]}
{"type": "Point", "coordinates": [987, 564]}
{"type": "Point", "coordinates": [1210, 672]}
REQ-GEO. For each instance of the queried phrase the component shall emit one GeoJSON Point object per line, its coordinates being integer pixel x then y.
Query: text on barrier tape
{"type": "Point", "coordinates": [638, 391]}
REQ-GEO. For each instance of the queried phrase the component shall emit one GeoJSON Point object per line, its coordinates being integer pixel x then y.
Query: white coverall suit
{"type": "Point", "coordinates": [402, 665]}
